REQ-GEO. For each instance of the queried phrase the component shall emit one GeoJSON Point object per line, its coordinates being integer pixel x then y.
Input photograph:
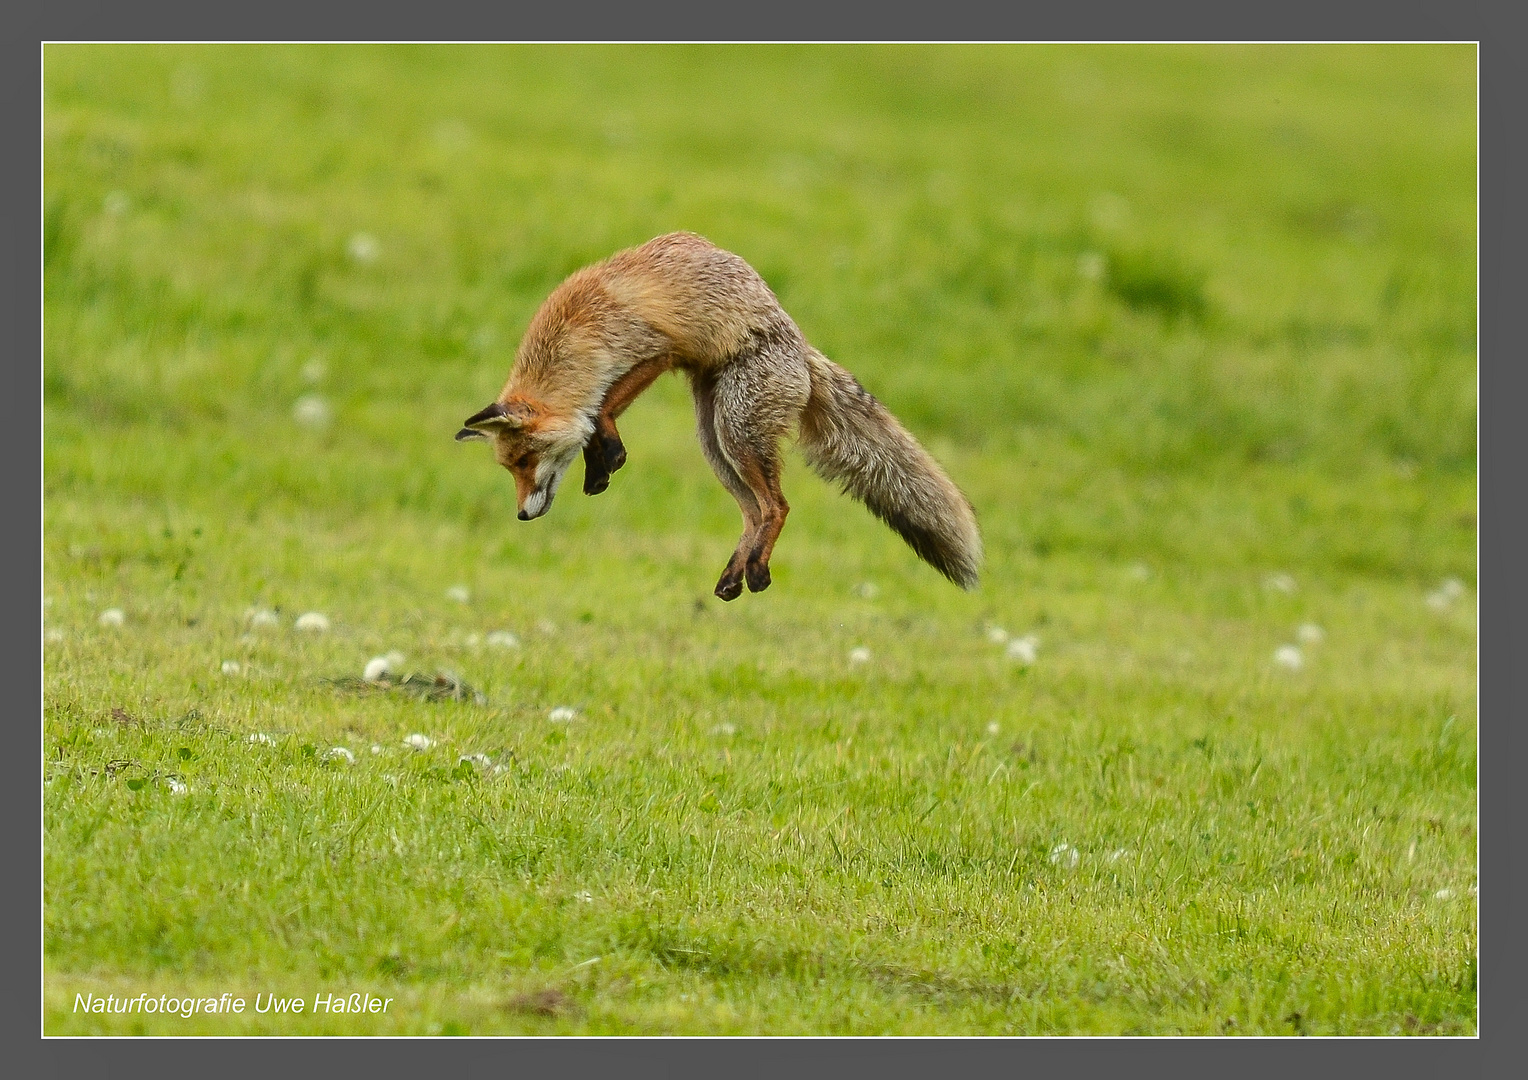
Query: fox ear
{"type": "Point", "coordinates": [497, 417]}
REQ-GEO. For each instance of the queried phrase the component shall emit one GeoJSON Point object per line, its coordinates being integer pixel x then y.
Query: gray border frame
{"type": "Point", "coordinates": [1501, 521]}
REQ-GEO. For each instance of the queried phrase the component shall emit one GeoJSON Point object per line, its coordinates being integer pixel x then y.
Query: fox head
{"type": "Point", "coordinates": [534, 445]}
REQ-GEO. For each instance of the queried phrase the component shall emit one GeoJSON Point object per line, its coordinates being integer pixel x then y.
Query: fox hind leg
{"type": "Point", "coordinates": [755, 403]}
{"type": "Point", "coordinates": [759, 468]}
{"type": "Point", "coordinates": [730, 585]}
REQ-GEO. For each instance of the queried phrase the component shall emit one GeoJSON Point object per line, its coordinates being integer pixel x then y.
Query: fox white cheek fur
{"type": "Point", "coordinates": [534, 505]}
{"type": "Point", "coordinates": [548, 478]}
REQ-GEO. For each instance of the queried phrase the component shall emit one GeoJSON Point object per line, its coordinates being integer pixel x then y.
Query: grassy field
{"type": "Point", "coordinates": [1193, 327]}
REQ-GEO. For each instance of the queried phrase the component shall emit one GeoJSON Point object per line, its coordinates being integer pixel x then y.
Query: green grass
{"type": "Point", "coordinates": [1195, 329]}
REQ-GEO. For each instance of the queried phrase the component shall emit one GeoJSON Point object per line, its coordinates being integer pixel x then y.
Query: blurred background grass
{"type": "Point", "coordinates": [1148, 280]}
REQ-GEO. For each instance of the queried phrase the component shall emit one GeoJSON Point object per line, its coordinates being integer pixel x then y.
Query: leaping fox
{"type": "Point", "coordinates": [680, 302]}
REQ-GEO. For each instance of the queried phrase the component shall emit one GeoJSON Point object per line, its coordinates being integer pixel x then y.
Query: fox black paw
{"type": "Point", "coordinates": [614, 451]}
{"type": "Point", "coordinates": [758, 577]}
{"type": "Point", "coordinates": [596, 472]}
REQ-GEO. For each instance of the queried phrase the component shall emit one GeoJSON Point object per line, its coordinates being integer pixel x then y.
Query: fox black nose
{"type": "Point", "coordinates": [523, 516]}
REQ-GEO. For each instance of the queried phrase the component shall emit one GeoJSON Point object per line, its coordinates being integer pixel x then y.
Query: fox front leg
{"type": "Point", "coordinates": [611, 447]}
{"type": "Point", "coordinates": [604, 453]}
{"type": "Point", "coordinates": [596, 472]}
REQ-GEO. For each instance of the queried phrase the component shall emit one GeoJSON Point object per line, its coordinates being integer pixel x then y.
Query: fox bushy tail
{"type": "Point", "coordinates": [852, 439]}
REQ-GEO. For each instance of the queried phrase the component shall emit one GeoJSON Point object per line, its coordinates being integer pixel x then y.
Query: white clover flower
{"type": "Point", "coordinates": [177, 787]}
{"type": "Point", "coordinates": [419, 742]}
{"type": "Point", "coordinates": [867, 590]}
{"type": "Point", "coordinates": [363, 248]}
{"type": "Point", "coordinates": [1309, 633]}
{"type": "Point", "coordinates": [1025, 649]}
{"type": "Point", "coordinates": [1288, 656]}
{"type": "Point", "coordinates": [1445, 594]}
{"type": "Point", "coordinates": [997, 635]}
{"type": "Point", "coordinates": [260, 738]}
{"type": "Point", "coordinates": [502, 639]}
{"type": "Point", "coordinates": [993, 728]}
{"type": "Point", "coordinates": [584, 897]}
{"type": "Point", "coordinates": [314, 621]}
{"type": "Point", "coordinates": [1444, 894]}
{"type": "Point", "coordinates": [340, 753]}
{"type": "Point", "coordinates": [376, 748]}
{"type": "Point", "coordinates": [311, 411]}
{"type": "Point", "coordinates": [1065, 855]}
{"type": "Point", "coordinates": [481, 760]}
{"type": "Point", "coordinates": [562, 714]}
{"type": "Point", "coordinates": [1279, 583]}
{"type": "Point", "coordinates": [724, 728]}
{"type": "Point", "coordinates": [230, 667]}
{"type": "Point", "coordinates": [377, 669]}
{"type": "Point", "coordinates": [112, 616]}
{"type": "Point", "coordinates": [859, 655]}
{"type": "Point", "coordinates": [460, 593]}
{"type": "Point", "coordinates": [54, 636]}
{"type": "Point", "coordinates": [257, 617]}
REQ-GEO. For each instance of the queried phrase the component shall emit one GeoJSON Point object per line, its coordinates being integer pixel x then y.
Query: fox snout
{"type": "Point", "coordinates": [537, 486]}
{"type": "Point", "coordinates": [537, 504]}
